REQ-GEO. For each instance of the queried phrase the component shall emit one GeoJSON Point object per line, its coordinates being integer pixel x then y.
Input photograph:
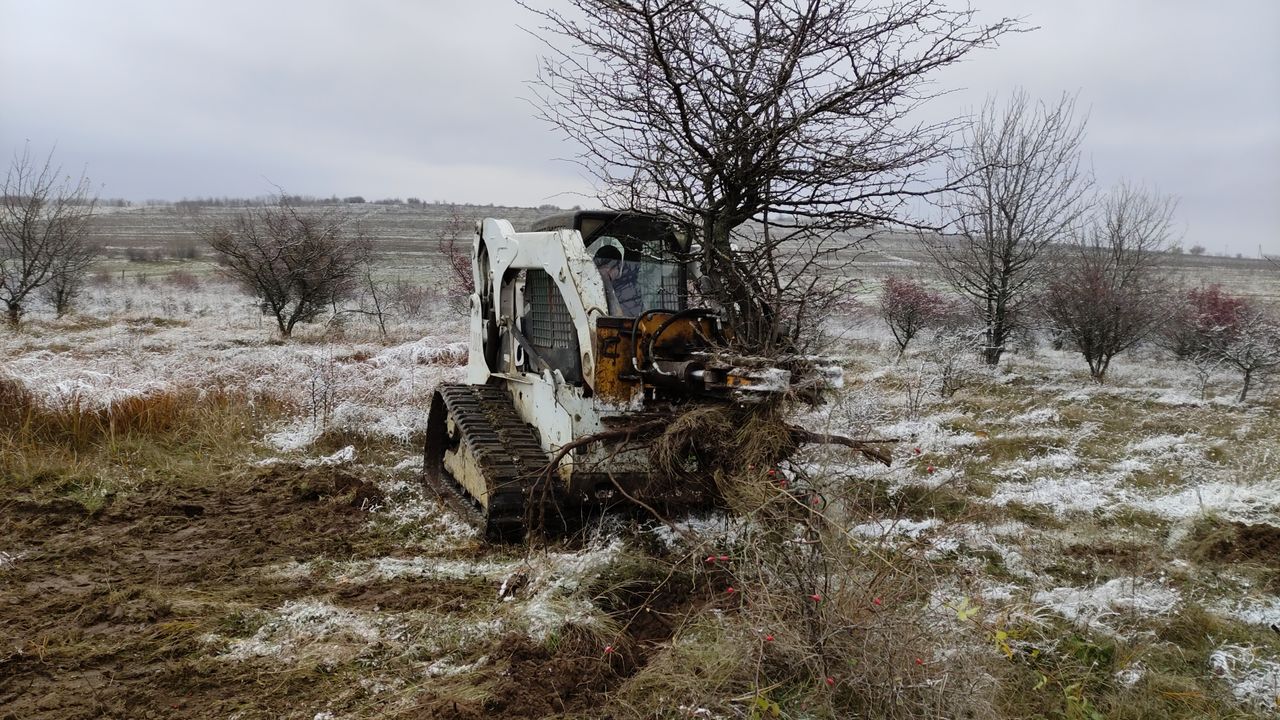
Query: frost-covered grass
{"type": "Point", "coordinates": [1097, 522]}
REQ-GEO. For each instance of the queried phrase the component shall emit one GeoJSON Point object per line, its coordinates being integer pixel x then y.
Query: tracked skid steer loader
{"type": "Point", "coordinates": [581, 330]}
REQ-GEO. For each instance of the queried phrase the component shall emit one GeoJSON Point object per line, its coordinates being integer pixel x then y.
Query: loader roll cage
{"type": "Point", "coordinates": [640, 258]}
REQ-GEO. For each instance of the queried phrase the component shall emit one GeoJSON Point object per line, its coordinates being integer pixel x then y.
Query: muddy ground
{"type": "Point", "coordinates": [110, 613]}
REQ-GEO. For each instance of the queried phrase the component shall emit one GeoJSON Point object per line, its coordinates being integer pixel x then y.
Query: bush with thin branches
{"type": "Point", "coordinates": [298, 264]}
{"type": "Point", "coordinates": [908, 307]}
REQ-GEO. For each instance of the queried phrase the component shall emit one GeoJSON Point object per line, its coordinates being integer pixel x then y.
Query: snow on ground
{"type": "Point", "coordinates": [1254, 676]}
{"type": "Point", "coordinates": [312, 628]}
{"type": "Point", "coordinates": [1100, 606]}
{"type": "Point", "coordinates": [1258, 610]}
{"type": "Point", "coordinates": [7, 559]}
{"type": "Point", "coordinates": [158, 338]}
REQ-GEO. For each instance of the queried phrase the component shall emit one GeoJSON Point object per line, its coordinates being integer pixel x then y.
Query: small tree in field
{"type": "Point", "coordinates": [1105, 297]}
{"type": "Point", "coordinates": [1018, 188]}
{"type": "Point", "coordinates": [298, 264]}
{"type": "Point", "coordinates": [1252, 347]}
{"type": "Point", "coordinates": [1215, 328]}
{"type": "Point", "coordinates": [907, 308]}
{"type": "Point", "coordinates": [44, 228]}
{"type": "Point", "coordinates": [1203, 317]}
{"type": "Point", "coordinates": [68, 278]}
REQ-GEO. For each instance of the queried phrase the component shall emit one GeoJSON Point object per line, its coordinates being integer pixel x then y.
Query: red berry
{"type": "Point", "coordinates": [711, 558]}
{"type": "Point", "coordinates": [919, 661]}
{"type": "Point", "coordinates": [731, 590]}
{"type": "Point", "coordinates": [608, 649]}
{"type": "Point", "coordinates": [723, 558]}
{"type": "Point", "coordinates": [768, 638]}
{"type": "Point", "coordinates": [830, 681]}
{"type": "Point", "coordinates": [815, 597]}
{"type": "Point", "coordinates": [877, 601]}
{"type": "Point", "coordinates": [917, 451]}
{"type": "Point", "coordinates": [930, 469]}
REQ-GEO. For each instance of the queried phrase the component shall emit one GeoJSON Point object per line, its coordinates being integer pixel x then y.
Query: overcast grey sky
{"type": "Point", "coordinates": [394, 98]}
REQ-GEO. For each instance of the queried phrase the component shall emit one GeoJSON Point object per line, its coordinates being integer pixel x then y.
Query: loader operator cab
{"type": "Point", "coordinates": [638, 257]}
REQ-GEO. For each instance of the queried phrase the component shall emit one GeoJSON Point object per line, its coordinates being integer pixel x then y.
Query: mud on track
{"type": "Point", "coordinates": [111, 614]}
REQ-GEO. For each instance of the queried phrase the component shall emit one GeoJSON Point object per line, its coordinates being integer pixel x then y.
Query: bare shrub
{"type": "Point", "coordinates": [409, 298]}
{"type": "Point", "coordinates": [907, 307]}
{"type": "Point", "coordinates": [44, 228]}
{"type": "Point", "coordinates": [186, 250]}
{"type": "Point", "coordinates": [1253, 348]}
{"type": "Point", "coordinates": [1199, 315]}
{"type": "Point", "coordinates": [455, 243]}
{"type": "Point", "coordinates": [143, 255]}
{"type": "Point", "coordinates": [1017, 189]}
{"type": "Point", "coordinates": [183, 280]}
{"type": "Point", "coordinates": [297, 264]}
{"type": "Point", "coordinates": [1105, 296]}
{"type": "Point", "coordinates": [952, 354]}
{"type": "Point", "coordinates": [1213, 328]}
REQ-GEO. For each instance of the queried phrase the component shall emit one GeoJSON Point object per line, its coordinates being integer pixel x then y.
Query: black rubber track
{"type": "Point", "coordinates": [507, 449]}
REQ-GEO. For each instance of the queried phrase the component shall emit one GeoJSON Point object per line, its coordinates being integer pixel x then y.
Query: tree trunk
{"type": "Point", "coordinates": [13, 313]}
{"type": "Point", "coordinates": [1244, 390]}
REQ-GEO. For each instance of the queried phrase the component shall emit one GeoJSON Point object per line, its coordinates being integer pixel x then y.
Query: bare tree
{"type": "Point", "coordinates": [44, 228]}
{"type": "Point", "coordinates": [907, 308]}
{"type": "Point", "coordinates": [766, 125]}
{"type": "Point", "coordinates": [1018, 188]}
{"type": "Point", "coordinates": [1105, 295]}
{"type": "Point", "coordinates": [69, 273]}
{"type": "Point", "coordinates": [1252, 346]}
{"type": "Point", "coordinates": [298, 264]}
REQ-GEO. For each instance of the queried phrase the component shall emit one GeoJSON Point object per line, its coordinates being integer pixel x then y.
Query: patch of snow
{"type": "Point", "coordinates": [343, 457]}
{"type": "Point", "coordinates": [1170, 447]}
{"type": "Point", "coordinates": [7, 559]}
{"type": "Point", "coordinates": [1254, 679]}
{"type": "Point", "coordinates": [294, 436]}
{"type": "Point", "coordinates": [1039, 416]}
{"type": "Point", "coordinates": [1255, 502]}
{"type": "Point", "coordinates": [298, 624]}
{"type": "Point", "coordinates": [1096, 606]}
{"type": "Point", "coordinates": [895, 528]}
{"type": "Point", "coordinates": [1129, 675]}
{"type": "Point", "coordinates": [1252, 611]}
{"type": "Point", "coordinates": [445, 667]}
{"type": "Point", "coordinates": [1064, 494]}
{"type": "Point", "coordinates": [1057, 460]}
{"type": "Point", "coordinates": [715, 529]}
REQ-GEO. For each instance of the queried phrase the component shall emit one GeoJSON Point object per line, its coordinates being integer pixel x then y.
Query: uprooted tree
{"type": "Point", "coordinates": [297, 263]}
{"type": "Point", "coordinates": [1105, 295]}
{"type": "Point", "coordinates": [44, 233]}
{"type": "Point", "coordinates": [768, 127]}
{"type": "Point", "coordinates": [1017, 189]}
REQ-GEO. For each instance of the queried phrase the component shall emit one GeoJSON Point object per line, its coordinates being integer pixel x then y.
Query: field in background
{"type": "Point", "coordinates": [199, 520]}
{"type": "Point", "coordinates": [407, 239]}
